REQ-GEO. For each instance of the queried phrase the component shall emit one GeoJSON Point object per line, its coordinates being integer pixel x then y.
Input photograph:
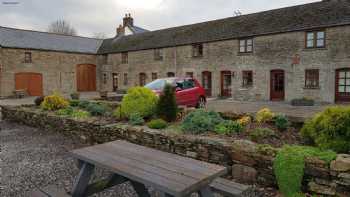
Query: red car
{"type": "Point", "coordinates": [188, 91]}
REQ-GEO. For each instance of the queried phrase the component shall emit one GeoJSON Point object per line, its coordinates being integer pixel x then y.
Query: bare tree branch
{"type": "Point", "coordinates": [62, 27]}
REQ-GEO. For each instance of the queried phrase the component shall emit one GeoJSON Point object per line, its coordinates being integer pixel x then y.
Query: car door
{"type": "Point", "coordinates": [185, 93]}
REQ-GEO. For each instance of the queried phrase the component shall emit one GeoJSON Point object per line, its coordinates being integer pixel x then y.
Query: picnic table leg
{"type": "Point", "coordinates": [206, 192]}
{"type": "Point", "coordinates": [140, 189]}
{"type": "Point", "coordinates": [82, 181]}
{"type": "Point", "coordinates": [165, 195]}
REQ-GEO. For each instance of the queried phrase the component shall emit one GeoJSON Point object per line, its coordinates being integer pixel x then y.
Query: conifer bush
{"type": "Point", "coordinates": [329, 129]}
{"type": "Point", "coordinates": [167, 107]}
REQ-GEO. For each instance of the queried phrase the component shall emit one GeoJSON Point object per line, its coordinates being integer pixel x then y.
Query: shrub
{"type": "Point", "coordinates": [261, 133]}
{"type": "Point", "coordinates": [84, 104]}
{"type": "Point", "coordinates": [96, 109]}
{"type": "Point", "coordinates": [330, 129]}
{"type": "Point", "coordinates": [245, 120]}
{"type": "Point", "coordinates": [136, 119]}
{"type": "Point", "coordinates": [74, 113]}
{"type": "Point", "coordinates": [139, 100]}
{"type": "Point", "coordinates": [167, 107]}
{"type": "Point", "coordinates": [54, 102]}
{"type": "Point", "coordinates": [75, 96]}
{"type": "Point", "coordinates": [118, 114]}
{"type": "Point", "coordinates": [157, 124]}
{"type": "Point", "coordinates": [264, 115]}
{"type": "Point", "coordinates": [74, 103]}
{"type": "Point", "coordinates": [228, 127]}
{"type": "Point", "coordinates": [290, 163]}
{"type": "Point", "coordinates": [39, 100]}
{"type": "Point", "coordinates": [200, 121]}
{"type": "Point", "coordinates": [281, 122]}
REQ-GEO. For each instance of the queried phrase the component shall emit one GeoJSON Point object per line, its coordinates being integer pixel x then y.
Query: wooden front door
{"type": "Point", "coordinates": [226, 83]}
{"type": "Point", "coordinates": [115, 81]}
{"type": "Point", "coordinates": [342, 85]}
{"type": "Point", "coordinates": [31, 82]}
{"type": "Point", "coordinates": [86, 78]}
{"type": "Point", "coordinates": [277, 85]}
{"type": "Point", "coordinates": [142, 79]}
{"type": "Point", "coordinates": [206, 82]}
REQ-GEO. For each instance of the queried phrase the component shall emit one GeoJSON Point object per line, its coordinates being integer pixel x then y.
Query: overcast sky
{"type": "Point", "coordinates": [103, 16]}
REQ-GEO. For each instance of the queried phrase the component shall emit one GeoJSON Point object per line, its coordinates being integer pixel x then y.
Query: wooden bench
{"type": "Point", "coordinates": [20, 93]}
{"type": "Point", "coordinates": [229, 188]}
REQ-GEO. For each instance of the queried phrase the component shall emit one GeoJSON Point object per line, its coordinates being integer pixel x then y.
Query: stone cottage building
{"type": "Point", "coordinates": [281, 54]}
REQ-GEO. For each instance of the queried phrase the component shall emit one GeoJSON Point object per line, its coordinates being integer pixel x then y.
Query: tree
{"type": "Point", "coordinates": [62, 27]}
{"type": "Point", "coordinates": [167, 107]}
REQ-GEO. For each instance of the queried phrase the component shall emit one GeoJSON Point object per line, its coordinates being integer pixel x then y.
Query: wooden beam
{"type": "Point", "coordinates": [82, 181]}
{"type": "Point", "coordinates": [100, 186]}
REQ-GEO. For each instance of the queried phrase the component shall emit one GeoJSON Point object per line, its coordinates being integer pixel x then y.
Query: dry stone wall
{"type": "Point", "coordinates": [249, 163]}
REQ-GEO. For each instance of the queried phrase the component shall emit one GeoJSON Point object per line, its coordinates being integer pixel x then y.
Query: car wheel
{"type": "Point", "coordinates": [201, 102]}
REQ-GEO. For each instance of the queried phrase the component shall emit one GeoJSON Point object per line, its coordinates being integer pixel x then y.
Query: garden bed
{"type": "Point", "coordinates": [239, 155]}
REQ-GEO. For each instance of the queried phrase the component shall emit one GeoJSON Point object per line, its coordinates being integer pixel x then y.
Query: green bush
{"type": "Point", "coordinates": [136, 119]}
{"type": "Point", "coordinates": [54, 102]}
{"type": "Point", "coordinates": [167, 107]}
{"type": "Point", "coordinates": [281, 122]}
{"type": "Point", "coordinates": [290, 163]}
{"type": "Point", "coordinates": [118, 114]}
{"type": "Point", "coordinates": [84, 104]}
{"type": "Point", "coordinates": [261, 133]}
{"type": "Point", "coordinates": [96, 109]}
{"type": "Point", "coordinates": [227, 127]}
{"type": "Point", "coordinates": [74, 103]}
{"type": "Point", "coordinates": [39, 100]}
{"type": "Point", "coordinates": [157, 124]}
{"type": "Point", "coordinates": [330, 129]}
{"type": "Point", "coordinates": [139, 100]}
{"type": "Point", "coordinates": [200, 121]}
{"type": "Point", "coordinates": [73, 113]}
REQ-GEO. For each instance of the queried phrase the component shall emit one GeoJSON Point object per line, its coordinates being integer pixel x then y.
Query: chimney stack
{"type": "Point", "coordinates": [120, 30]}
{"type": "Point", "coordinates": [128, 20]}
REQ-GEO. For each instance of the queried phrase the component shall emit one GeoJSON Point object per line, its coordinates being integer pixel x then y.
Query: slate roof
{"type": "Point", "coordinates": [137, 30]}
{"type": "Point", "coordinates": [314, 15]}
{"type": "Point", "coordinates": [25, 39]}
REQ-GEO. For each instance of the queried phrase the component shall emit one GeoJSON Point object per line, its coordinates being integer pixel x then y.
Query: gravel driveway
{"type": "Point", "coordinates": [32, 158]}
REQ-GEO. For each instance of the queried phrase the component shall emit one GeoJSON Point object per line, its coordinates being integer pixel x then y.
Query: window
{"type": "Point", "coordinates": [104, 78]}
{"type": "Point", "coordinates": [312, 78]}
{"type": "Point", "coordinates": [154, 76]}
{"type": "Point", "coordinates": [27, 57]}
{"type": "Point", "coordinates": [158, 54]}
{"type": "Point", "coordinates": [316, 39]}
{"type": "Point", "coordinates": [246, 45]}
{"type": "Point", "coordinates": [247, 78]}
{"type": "Point", "coordinates": [197, 50]}
{"type": "Point", "coordinates": [143, 77]}
{"type": "Point", "coordinates": [189, 74]}
{"type": "Point", "coordinates": [104, 59]}
{"type": "Point", "coordinates": [170, 74]}
{"type": "Point", "coordinates": [126, 79]}
{"type": "Point", "coordinates": [185, 84]}
{"type": "Point", "coordinates": [125, 58]}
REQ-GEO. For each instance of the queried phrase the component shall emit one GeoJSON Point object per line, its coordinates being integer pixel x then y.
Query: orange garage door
{"type": "Point", "coordinates": [86, 78]}
{"type": "Point", "coordinates": [31, 82]}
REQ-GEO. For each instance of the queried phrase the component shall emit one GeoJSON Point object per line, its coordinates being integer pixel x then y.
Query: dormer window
{"type": "Point", "coordinates": [197, 50]}
{"type": "Point", "coordinates": [125, 58]}
{"type": "Point", "coordinates": [158, 54]}
{"type": "Point", "coordinates": [246, 45]}
{"type": "Point", "coordinates": [316, 39]}
{"type": "Point", "coordinates": [27, 57]}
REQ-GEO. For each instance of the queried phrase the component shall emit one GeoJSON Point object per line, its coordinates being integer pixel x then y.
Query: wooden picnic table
{"type": "Point", "coordinates": [170, 174]}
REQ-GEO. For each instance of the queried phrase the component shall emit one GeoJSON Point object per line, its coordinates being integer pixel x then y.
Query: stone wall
{"type": "Point", "coordinates": [57, 68]}
{"type": "Point", "coordinates": [248, 162]}
{"type": "Point", "coordinates": [270, 52]}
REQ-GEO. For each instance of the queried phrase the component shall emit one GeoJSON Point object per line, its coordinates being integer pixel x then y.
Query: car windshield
{"type": "Point", "coordinates": [159, 84]}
